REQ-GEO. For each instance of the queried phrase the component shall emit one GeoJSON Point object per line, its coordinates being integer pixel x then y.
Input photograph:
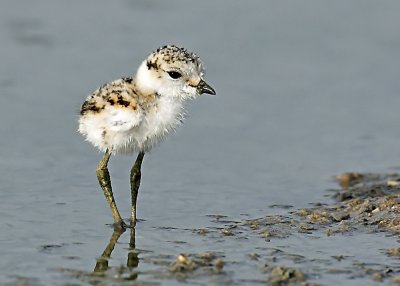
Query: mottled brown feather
{"type": "Point", "coordinates": [120, 93]}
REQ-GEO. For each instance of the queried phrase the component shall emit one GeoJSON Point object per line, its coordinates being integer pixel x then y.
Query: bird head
{"type": "Point", "coordinates": [173, 72]}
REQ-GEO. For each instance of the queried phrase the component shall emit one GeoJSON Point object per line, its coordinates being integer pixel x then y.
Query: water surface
{"type": "Point", "coordinates": [305, 90]}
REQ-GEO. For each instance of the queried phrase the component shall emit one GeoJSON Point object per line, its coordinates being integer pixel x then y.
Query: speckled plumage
{"type": "Point", "coordinates": [133, 114]}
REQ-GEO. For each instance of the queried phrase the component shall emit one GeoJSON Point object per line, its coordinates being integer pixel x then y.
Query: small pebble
{"type": "Point", "coordinates": [227, 232]}
{"type": "Point", "coordinates": [219, 263]}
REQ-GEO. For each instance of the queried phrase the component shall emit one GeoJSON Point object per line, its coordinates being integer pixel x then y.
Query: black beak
{"type": "Point", "coordinates": [203, 87]}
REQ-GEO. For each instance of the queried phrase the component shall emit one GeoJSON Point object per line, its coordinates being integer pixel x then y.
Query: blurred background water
{"type": "Point", "coordinates": [305, 90]}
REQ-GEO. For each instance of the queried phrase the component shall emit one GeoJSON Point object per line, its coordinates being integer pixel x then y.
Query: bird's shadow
{"type": "Point", "coordinates": [132, 261]}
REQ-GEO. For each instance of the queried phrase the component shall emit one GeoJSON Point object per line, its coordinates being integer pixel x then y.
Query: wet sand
{"type": "Point", "coordinates": [366, 206]}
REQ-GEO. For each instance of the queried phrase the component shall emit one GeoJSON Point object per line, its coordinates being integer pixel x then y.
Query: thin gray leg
{"type": "Point", "coordinates": [105, 182]}
{"type": "Point", "coordinates": [135, 183]}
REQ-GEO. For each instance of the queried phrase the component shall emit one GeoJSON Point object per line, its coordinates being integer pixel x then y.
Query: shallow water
{"type": "Point", "coordinates": [304, 91]}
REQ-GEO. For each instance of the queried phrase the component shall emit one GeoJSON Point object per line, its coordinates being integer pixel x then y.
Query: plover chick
{"type": "Point", "coordinates": [133, 114]}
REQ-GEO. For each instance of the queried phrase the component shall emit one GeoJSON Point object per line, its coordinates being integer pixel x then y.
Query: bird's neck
{"type": "Point", "coordinates": [144, 80]}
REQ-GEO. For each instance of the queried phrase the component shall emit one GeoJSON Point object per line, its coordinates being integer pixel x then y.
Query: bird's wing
{"type": "Point", "coordinates": [116, 103]}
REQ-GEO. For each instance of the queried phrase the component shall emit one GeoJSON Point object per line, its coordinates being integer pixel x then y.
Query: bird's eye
{"type": "Point", "coordinates": [174, 74]}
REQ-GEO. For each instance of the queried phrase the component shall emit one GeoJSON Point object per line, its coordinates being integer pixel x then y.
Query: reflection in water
{"type": "Point", "coordinates": [133, 260]}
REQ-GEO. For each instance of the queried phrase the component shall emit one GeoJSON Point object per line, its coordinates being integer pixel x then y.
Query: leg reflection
{"type": "Point", "coordinates": [133, 260]}
{"type": "Point", "coordinates": [102, 262]}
